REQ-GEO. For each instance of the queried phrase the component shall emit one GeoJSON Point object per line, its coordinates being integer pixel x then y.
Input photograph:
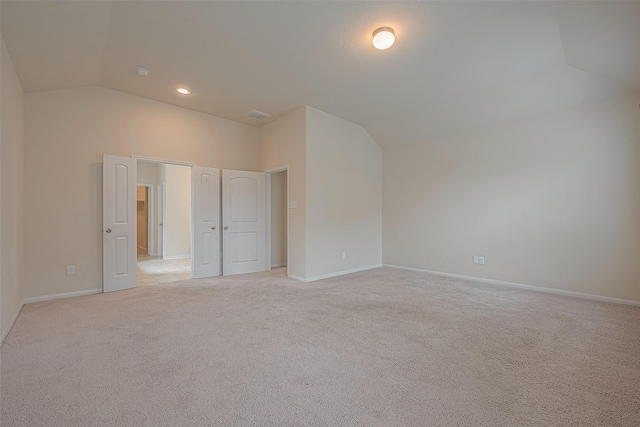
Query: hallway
{"type": "Point", "coordinates": [155, 270]}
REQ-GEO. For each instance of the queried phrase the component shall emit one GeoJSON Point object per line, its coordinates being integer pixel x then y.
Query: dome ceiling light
{"type": "Point", "coordinates": [383, 38]}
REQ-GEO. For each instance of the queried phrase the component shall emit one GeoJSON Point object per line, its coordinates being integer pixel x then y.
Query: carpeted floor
{"type": "Point", "coordinates": [383, 347]}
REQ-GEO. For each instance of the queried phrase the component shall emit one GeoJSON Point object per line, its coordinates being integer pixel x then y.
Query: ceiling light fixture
{"type": "Point", "coordinates": [142, 71]}
{"type": "Point", "coordinates": [383, 38]}
{"type": "Point", "coordinates": [184, 91]}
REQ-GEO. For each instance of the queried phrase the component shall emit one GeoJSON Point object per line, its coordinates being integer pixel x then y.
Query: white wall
{"type": "Point", "coordinates": [177, 220]}
{"type": "Point", "coordinates": [148, 172]}
{"type": "Point", "coordinates": [551, 201]}
{"type": "Point", "coordinates": [11, 192]}
{"type": "Point", "coordinates": [344, 196]}
{"type": "Point", "coordinates": [66, 134]}
{"type": "Point", "coordinates": [279, 219]}
{"type": "Point", "coordinates": [335, 177]}
{"type": "Point", "coordinates": [282, 143]}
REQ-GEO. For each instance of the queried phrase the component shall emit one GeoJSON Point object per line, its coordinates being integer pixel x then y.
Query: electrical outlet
{"type": "Point", "coordinates": [344, 255]}
{"type": "Point", "coordinates": [71, 270]}
{"type": "Point", "coordinates": [294, 204]}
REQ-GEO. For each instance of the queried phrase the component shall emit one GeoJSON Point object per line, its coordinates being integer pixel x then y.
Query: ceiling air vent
{"type": "Point", "coordinates": [258, 115]}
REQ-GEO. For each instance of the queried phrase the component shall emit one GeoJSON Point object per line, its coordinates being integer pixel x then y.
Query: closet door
{"type": "Point", "coordinates": [243, 220]}
{"type": "Point", "coordinates": [205, 259]}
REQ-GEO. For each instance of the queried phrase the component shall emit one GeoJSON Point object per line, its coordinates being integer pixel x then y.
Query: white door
{"type": "Point", "coordinates": [119, 217]}
{"type": "Point", "coordinates": [243, 220]}
{"type": "Point", "coordinates": [161, 209]}
{"type": "Point", "coordinates": [205, 190]}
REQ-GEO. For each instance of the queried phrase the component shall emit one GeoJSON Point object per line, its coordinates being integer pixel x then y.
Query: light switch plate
{"type": "Point", "coordinates": [294, 205]}
{"type": "Point", "coordinates": [71, 269]}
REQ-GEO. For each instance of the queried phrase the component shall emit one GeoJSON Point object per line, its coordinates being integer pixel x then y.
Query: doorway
{"type": "Point", "coordinates": [201, 195]}
{"type": "Point", "coordinates": [142, 208]}
{"type": "Point", "coordinates": [168, 225]}
{"type": "Point", "coordinates": [278, 219]}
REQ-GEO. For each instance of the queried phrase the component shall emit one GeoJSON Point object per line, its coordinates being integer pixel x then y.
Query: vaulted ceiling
{"type": "Point", "coordinates": [455, 65]}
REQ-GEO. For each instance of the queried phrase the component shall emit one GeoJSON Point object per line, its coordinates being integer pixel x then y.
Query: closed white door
{"type": "Point", "coordinates": [119, 217]}
{"type": "Point", "coordinates": [243, 220]}
{"type": "Point", "coordinates": [205, 258]}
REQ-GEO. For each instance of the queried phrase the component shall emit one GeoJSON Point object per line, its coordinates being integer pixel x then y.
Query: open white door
{"type": "Point", "coordinates": [161, 209]}
{"type": "Point", "coordinates": [119, 219]}
{"type": "Point", "coordinates": [205, 190]}
{"type": "Point", "coordinates": [243, 218]}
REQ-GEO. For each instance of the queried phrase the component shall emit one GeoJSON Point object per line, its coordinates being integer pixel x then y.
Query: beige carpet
{"type": "Point", "coordinates": [379, 348]}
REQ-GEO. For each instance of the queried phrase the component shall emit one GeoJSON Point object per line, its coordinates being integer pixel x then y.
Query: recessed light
{"type": "Point", "coordinates": [383, 38]}
{"type": "Point", "coordinates": [142, 71]}
{"type": "Point", "coordinates": [184, 91]}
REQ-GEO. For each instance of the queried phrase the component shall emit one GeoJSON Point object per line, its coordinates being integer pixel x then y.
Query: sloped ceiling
{"type": "Point", "coordinates": [455, 65]}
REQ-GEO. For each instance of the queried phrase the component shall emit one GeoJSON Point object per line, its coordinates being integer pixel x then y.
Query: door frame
{"type": "Point", "coordinates": [268, 173]}
{"type": "Point", "coordinates": [165, 161]}
{"type": "Point", "coordinates": [151, 220]}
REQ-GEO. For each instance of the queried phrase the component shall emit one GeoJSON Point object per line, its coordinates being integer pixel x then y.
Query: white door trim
{"type": "Point", "coordinates": [165, 161]}
{"type": "Point", "coordinates": [267, 236]}
{"type": "Point", "coordinates": [268, 173]}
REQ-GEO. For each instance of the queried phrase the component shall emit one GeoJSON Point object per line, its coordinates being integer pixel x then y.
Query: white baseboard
{"type": "Point", "coordinates": [64, 295]}
{"type": "Point", "coordinates": [177, 257]}
{"type": "Point", "coordinates": [11, 323]}
{"type": "Point", "coordinates": [339, 273]}
{"type": "Point", "coordinates": [522, 286]}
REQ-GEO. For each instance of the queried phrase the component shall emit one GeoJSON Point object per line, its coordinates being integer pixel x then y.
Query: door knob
{"type": "Point", "coordinates": [226, 228]}
{"type": "Point", "coordinates": [108, 230]}
{"type": "Point", "coordinates": [213, 228]}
